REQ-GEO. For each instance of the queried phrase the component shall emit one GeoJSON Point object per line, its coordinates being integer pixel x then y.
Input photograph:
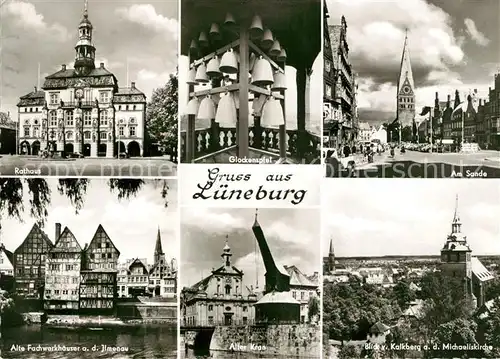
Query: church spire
{"type": "Point", "coordinates": [331, 247]}
{"type": "Point", "coordinates": [456, 224]}
{"type": "Point", "coordinates": [158, 249]}
{"type": "Point", "coordinates": [405, 72]}
{"type": "Point", "coordinates": [84, 49]}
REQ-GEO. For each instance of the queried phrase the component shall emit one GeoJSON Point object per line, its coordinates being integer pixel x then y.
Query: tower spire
{"type": "Point", "coordinates": [405, 103]}
{"type": "Point", "coordinates": [85, 50]}
{"type": "Point", "coordinates": [331, 247]}
{"type": "Point", "coordinates": [226, 253]}
{"type": "Point", "coordinates": [158, 249]}
{"type": "Point", "coordinates": [456, 225]}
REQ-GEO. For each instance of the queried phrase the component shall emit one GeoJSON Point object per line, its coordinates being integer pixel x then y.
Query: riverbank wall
{"type": "Point", "coordinates": [301, 340]}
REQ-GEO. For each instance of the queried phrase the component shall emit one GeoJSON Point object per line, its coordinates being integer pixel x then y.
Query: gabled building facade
{"type": "Point", "coordinates": [29, 264]}
{"type": "Point", "coordinates": [62, 274]}
{"type": "Point", "coordinates": [6, 261]}
{"type": "Point", "coordinates": [98, 282]}
{"type": "Point", "coordinates": [138, 278]}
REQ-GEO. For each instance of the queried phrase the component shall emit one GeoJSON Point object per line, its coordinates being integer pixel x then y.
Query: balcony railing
{"type": "Point", "coordinates": [206, 143]}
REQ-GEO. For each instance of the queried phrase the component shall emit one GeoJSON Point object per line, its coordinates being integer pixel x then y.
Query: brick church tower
{"type": "Point", "coordinates": [406, 89]}
{"type": "Point", "coordinates": [456, 255]}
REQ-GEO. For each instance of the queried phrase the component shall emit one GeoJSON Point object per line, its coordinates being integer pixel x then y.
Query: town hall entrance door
{"type": "Point", "coordinates": [228, 318]}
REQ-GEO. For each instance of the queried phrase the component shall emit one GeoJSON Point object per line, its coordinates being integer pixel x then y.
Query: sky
{"type": "Point", "coordinates": [409, 217]}
{"type": "Point", "coordinates": [315, 95]}
{"type": "Point", "coordinates": [454, 44]}
{"type": "Point", "coordinates": [292, 236]}
{"type": "Point", "coordinates": [131, 224]}
{"type": "Point", "coordinates": [45, 32]}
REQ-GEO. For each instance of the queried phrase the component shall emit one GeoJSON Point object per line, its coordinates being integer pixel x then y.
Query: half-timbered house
{"type": "Point", "coordinates": [29, 263]}
{"type": "Point", "coordinates": [98, 281]}
{"type": "Point", "coordinates": [62, 274]}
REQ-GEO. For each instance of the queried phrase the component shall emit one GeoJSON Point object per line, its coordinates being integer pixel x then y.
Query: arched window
{"type": "Point", "coordinates": [69, 135]}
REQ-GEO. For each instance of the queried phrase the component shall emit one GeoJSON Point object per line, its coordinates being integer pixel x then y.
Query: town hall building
{"type": "Point", "coordinates": [83, 110]}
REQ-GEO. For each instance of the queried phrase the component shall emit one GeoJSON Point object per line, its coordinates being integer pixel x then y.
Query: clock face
{"type": "Point", "coordinates": [79, 93]}
{"type": "Point", "coordinates": [406, 89]}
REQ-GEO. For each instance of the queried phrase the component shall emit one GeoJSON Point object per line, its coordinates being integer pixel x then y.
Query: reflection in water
{"type": "Point", "coordinates": [147, 342]}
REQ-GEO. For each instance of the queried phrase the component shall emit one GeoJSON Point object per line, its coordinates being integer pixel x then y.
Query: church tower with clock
{"type": "Point", "coordinates": [406, 89]}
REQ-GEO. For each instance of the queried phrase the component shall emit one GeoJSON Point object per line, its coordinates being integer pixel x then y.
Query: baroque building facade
{"type": "Point", "coordinates": [219, 299]}
{"type": "Point", "coordinates": [83, 110]}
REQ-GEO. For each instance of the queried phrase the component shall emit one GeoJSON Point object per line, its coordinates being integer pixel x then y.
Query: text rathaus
{"type": "Point", "coordinates": [82, 110]}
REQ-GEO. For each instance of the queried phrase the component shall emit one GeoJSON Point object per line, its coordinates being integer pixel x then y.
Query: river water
{"type": "Point", "coordinates": [235, 355]}
{"type": "Point", "coordinates": [148, 342]}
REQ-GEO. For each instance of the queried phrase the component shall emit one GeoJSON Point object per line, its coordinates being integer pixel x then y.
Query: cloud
{"type": "Point", "coordinates": [384, 217]}
{"type": "Point", "coordinates": [146, 15]}
{"type": "Point", "coordinates": [25, 16]}
{"type": "Point", "coordinates": [291, 234]}
{"type": "Point", "coordinates": [475, 34]}
{"type": "Point", "coordinates": [375, 34]}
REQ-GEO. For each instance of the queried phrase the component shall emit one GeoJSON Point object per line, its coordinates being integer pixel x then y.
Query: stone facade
{"type": "Point", "coordinates": [300, 340]}
{"type": "Point", "coordinates": [219, 299]}
{"type": "Point", "coordinates": [83, 110]}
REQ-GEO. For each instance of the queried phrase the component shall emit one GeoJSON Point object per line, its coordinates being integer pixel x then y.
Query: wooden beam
{"type": "Point", "coordinates": [265, 56]}
{"type": "Point", "coordinates": [263, 91]}
{"type": "Point", "coordinates": [283, 141]}
{"type": "Point", "coordinates": [242, 132]}
{"type": "Point", "coordinates": [220, 51]}
{"type": "Point", "coordinates": [213, 91]}
{"type": "Point", "coordinates": [236, 87]}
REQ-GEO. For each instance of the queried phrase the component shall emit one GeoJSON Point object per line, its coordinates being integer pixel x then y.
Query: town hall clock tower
{"type": "Point", "coordinates": [406, 89]}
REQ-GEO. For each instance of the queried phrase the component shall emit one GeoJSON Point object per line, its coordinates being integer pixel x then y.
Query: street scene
{"type": "Point", "coordinates": [74, 283]}
{"type": "Point", "coordinates": [419, 279]}
{"type": "Point", "coordinates": [400, 103]}
{"type": "Point", "coordinates": [250, 283]}
{"type": "Point", "coordinates": [110, 109]}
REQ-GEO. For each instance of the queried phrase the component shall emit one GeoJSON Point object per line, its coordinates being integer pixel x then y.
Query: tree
{"type": "Point", "coordinates": [489, 329]}
{"type": "Point", "coordinates": [460, 332]}
{"type": "Point", "coordinates": [6, 304]}
{"type": "Point", "coordinates": [349, 351]}
{"type": "Point", "coordinates": [12, 193]}
{"type": "Point", "coordinates": [403, 294]}
{"type": "Point", "coordinates": [161, 119]}
{"type": "Point", "coordinates": [313, 307]}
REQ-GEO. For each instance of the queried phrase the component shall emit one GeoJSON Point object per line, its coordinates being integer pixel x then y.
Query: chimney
{"type": "Point", "coordinates": [63, 67]}
{"type": "Point", "coordinates": [448, 101]}
{"type": "Point", "coordinates": [132, 85]}
{"type": "Point", "coordinates": [36, 89]}
{"type": "Point", "coordinates": [58, 231]}
{"type": "Point", "coordinates": [101, 65]}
